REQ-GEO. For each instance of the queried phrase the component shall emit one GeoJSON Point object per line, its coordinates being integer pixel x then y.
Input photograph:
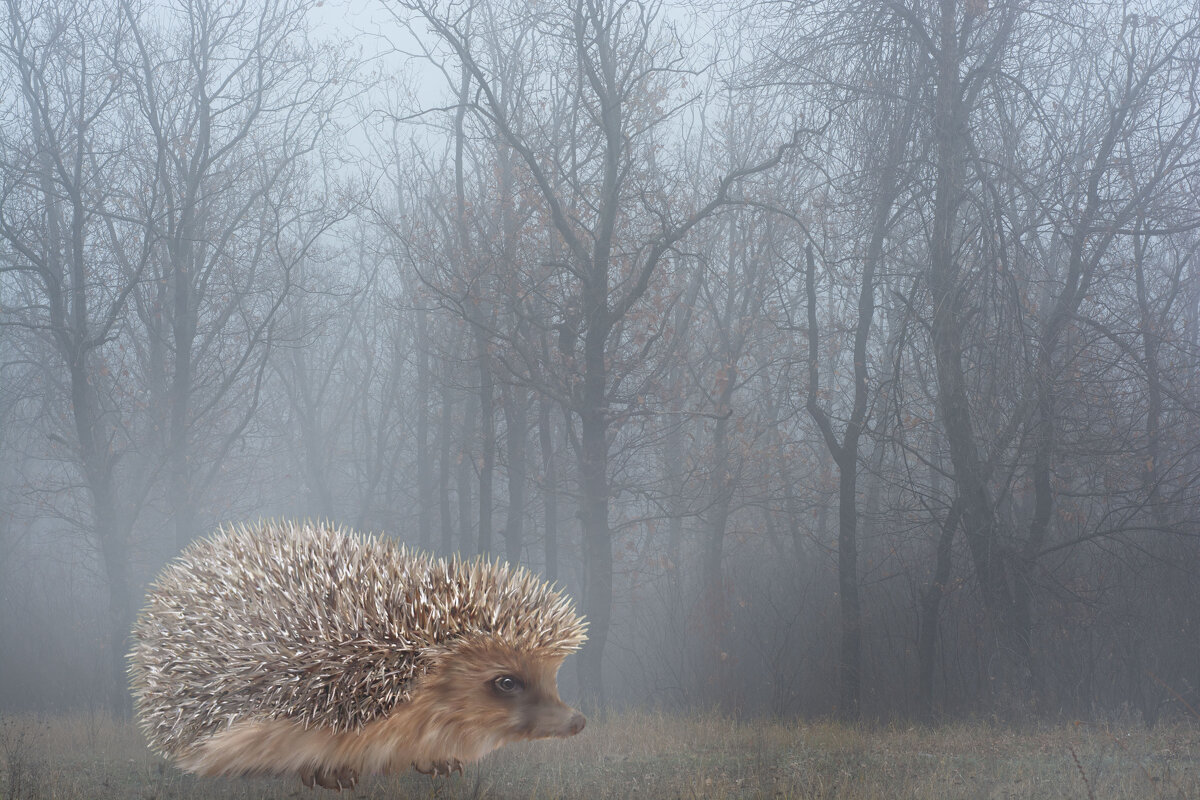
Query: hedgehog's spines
{"type": "Point", "coordinates": [312, 622]}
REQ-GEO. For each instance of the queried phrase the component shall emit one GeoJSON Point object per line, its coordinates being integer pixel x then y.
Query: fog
{"type": "Point", "coordinates": [838, 358]}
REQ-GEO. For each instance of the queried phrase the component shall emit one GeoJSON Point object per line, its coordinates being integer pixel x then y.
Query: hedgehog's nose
{"type": "Point", "coordinates": [576, 723]}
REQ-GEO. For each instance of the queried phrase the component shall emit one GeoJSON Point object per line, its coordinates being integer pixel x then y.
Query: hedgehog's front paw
{"type": "Point", "coordinates": [439, 768]}
{"type": "Point", "coordinates": [340, 778]}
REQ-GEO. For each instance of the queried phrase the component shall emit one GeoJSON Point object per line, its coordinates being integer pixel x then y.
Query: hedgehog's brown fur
{"type": "Point", "coordinates": [295, 648]}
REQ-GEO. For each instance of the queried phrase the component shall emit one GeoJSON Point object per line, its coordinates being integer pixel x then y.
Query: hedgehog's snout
{"type": "Point", "coordinates": [554, 719]}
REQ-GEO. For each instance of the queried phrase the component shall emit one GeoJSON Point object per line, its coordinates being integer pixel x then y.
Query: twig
{"type": "Point", "coordinates": [1074, 757]}
{"type": "Point", "coordinates": [1174, 693]}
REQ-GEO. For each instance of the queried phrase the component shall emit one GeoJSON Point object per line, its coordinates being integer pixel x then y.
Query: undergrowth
{"type": "Point", "coordinates": [641, 754]}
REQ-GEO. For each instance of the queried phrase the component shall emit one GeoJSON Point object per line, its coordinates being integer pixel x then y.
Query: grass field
{"type": "Point", "coordinates": [663, 756]}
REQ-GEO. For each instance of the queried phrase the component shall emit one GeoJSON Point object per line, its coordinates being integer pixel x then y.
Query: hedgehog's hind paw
{"type": "Point", "coordinates": [439, 768]}
{"type": "Point", "coordinates": [336, 779]}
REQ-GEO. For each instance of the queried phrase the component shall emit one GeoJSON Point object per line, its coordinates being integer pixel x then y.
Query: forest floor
{"type": "Point", "coordinates": [664, 756]}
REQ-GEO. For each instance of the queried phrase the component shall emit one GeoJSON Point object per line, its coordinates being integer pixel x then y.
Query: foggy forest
{"type": "Point", "coordinates": [839, 358]}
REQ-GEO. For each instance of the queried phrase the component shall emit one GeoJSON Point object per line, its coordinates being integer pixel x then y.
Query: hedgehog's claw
{"type": "Point", "coordinates": [440, 768]}
{"type": "Point", "coordinates": [338, 779]}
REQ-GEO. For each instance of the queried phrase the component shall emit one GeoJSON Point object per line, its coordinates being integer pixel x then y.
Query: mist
{"type": "Point", "coordinates": [839, 359]}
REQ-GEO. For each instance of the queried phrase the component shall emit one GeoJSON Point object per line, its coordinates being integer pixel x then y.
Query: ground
{"type": "Point", "coordinates": [664, 756]}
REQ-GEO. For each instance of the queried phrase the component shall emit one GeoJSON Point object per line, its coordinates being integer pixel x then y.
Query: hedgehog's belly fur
{"type": "Point", "coordinates": [280, 747]}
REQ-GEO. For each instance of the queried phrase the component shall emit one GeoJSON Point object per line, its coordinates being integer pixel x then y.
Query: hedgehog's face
{"type": "Point", "coordinates": [501, 693]}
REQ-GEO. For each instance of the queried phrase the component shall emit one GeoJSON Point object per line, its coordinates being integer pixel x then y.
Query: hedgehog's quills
{"type": "Point", "coordinates": [299, 650]}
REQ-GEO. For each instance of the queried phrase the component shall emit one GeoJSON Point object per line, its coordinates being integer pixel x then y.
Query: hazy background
{"type": "Point", "coordinates": [838, 357]}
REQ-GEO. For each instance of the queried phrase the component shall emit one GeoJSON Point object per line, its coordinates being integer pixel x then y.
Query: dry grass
{"type": "Point", "coordinates": [662, 756]}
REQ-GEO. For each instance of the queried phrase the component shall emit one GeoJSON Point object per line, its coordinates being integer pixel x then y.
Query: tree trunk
{"type": "Point", "coordinates": [112, 535]}
{"type": "Point", "coordinates": [593, 507]}
{"type": "Point", "coordinates": [487, 443]}
{"type": "Point", "coordinates": [424, 462]}
{"type": "Point", "coordinates": [1148, 327]}
{"type": "Point", "coordinates": [466, 477]}
{"type": "Point", "coordinates": [444, 468]}
{"type": "Point", "coordinates": [673, 461]}
{"type": "Point", "coordinates": [183, 510]}
{"type": "Point", "coordinates": [1010, 666]}
{"type": "Point", "coordinates": [931, 603]}
{"type": "Point", "coordinates": [549, 487]}
{"type": "Point", "coordinates": [713, 608]}
{"type": "Point", "coordinates": [714, 618]}
{"type": "Point", "coordinates": [845, 456]}
{"type": "Point", "coordinates": [114, 547]}
{"type": "Point", "coordinates": [850, 693]}
{"type": "Point", "coordinates": [516, 418]}
{"type": "Point", "coordinates": [316, 471]}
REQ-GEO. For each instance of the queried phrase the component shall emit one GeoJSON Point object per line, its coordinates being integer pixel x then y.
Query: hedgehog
{"type": "Point", "coordinates": [305, 649]}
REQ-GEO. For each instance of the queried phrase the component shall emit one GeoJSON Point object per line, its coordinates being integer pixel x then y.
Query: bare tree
{"type": "Point", "coordinates": [606, 66]}
{"type": "Point", "coordinates": [235, 100]}
{"type": "Point", "coordinates": [974, 194]}
{"type": "Point", "coordinates": [69, 195]}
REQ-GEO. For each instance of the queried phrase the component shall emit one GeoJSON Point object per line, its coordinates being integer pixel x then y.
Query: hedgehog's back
{"type": "Point", "coordinates": [278, 620]}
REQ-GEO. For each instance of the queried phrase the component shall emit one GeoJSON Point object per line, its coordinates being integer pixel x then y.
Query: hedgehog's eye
{"type": "Point", "coordinates": [507, 684]}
